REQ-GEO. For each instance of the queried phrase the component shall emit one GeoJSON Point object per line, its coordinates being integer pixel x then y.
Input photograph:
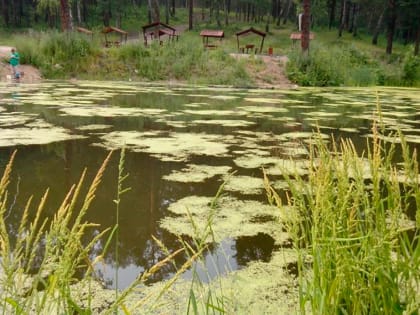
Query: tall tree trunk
{"type": "Point", "coordinates": [347, 14]}
{"type": "Point", "coordinates": [417, 41]}
{"type": "Point", "coordinates": [5, 12]}
{"type": "Point", "coordinates": [355, 21]}
{"type": "Point", "coordinates": [173, 8]}
{"type": "Point", "coordinates": [107, 14]}
{"type": "Point", "coordinates": [342, 17]}
{"type": "Point", "coordinates": [378, 28]}
{"type": "Point", "coordinates": [306, 25]}
{"type": "Point", "coordinates": [219, 24]}
{"type": "Point", "coordinates": [167, 11]}
{"type": "Point", "coordinates": [287, 11]}
{"type": "Point", "coordinates": [65, 15]}
{"type": "Point", "coordinates": [155, 11]}
{"type": "Point", "coordinates": [391, 22]}
{"type": "Point", "coordinates": [226, 12]}
{"type": "Point", "coordinates": [278, 13]}
{"type": "Point", "coordinates": [331, 17]}
{"type": "Point", "coordinates": [149, 11]}
{"type": "Point", "coordinates": [190, 14]}
{"type": "Point", "coordinates": [79, 13]}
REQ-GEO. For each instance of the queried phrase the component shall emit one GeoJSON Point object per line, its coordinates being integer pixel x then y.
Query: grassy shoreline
{"type": "Point", "coordinates": [333, 61]}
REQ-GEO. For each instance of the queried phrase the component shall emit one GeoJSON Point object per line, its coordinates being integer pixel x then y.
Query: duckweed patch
{"type": "Point", "coordinates": [196, 173]}
{"type": "Point", "coordinates": [36, 135]}
{"type": "Point", "coordinates": [174, 146]}
{"type": "Point", "coordinates": [15, 119]}
{"type": "Point", "coordinates": [246, 185]}
{"type": "Point", "coordinates": [260, 286]}
{"type": "Point", "coordinates": [109, 111]}
{"type": "Point", "coordinates": [225, 122]}
{"type": "Point", "coordinates": [230, 219]}
{"type": "Point", "coordinates": [94, 127]}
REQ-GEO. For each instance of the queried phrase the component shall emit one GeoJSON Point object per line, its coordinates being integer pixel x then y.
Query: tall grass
{"type": "Point", "coordinates": [58, 243]}
{"type": "Point", "coordinates": [358, 252]}
{"type": "Point", "coordinates": [56, 54]}
{"type": "Point", "coordinates": [332, 65]}
{"type": "Point", "coordinates": [67, 55]}
{"type": "Point", "coordinates": [184, 60]}
{"type": "Point", "coordinates": [337, 63]}
{"type": "Point", "coordinates": [41, 258]}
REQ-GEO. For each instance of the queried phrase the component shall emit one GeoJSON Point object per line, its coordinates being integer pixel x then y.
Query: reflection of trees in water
{"type": "Point", "coordinates": [251, 248]}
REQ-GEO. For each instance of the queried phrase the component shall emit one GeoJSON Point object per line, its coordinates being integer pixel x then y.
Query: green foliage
{"type": "Point", "coordinates": [358, 253]}
{"type": "Point", "coordinates": [57, 54]}
{"type": "Point", "coordinates": [332, 66]}
{"type": "Point", "coordinates": [411, 69]}
{"type": "Point", "coordinates": [54, 248]}
{"type": "Point", "coordinates": [183, 60]}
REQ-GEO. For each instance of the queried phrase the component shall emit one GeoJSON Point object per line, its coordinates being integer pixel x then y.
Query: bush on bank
{"type": "Point", "coordinates": [345, 65]}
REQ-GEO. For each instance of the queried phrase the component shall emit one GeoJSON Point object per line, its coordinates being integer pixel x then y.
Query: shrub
{"type": "Point", "coordinates": [332, 66]}
{"type": "Point", "coordinates": [411, 69]}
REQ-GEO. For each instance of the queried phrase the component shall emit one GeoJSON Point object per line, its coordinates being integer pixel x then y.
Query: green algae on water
{"type": "Point", "coordinates": [246, 185]}
{"type": "Point", "coordinates": [168, 146]}
{"type": "Point", "coordinates": [196, 173]}
{"type": "Point", "coordinates": [230, 218]}
{"type": "Point", "coordinates": [94, 127]}
{"type": "Point", "coordinates": [35, 135]}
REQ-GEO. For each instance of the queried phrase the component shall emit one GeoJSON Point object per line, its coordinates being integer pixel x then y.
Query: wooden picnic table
{"type": "Point", "coordinates": [298, 36]}
{"type": "Point", "coordinates": [206, 34]}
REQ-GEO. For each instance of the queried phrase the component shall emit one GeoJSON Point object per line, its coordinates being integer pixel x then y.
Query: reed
{"type": "Point", "coordinates": [41, 258]}
{"type": "Point", "coordinates": [358, 252]}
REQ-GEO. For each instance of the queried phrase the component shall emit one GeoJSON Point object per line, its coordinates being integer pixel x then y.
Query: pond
{"type": "Point", "coordinates": [182, 143]}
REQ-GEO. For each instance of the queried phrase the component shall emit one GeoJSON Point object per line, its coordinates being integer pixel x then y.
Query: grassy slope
{"type": "Point", "coordinates": [186, 60]}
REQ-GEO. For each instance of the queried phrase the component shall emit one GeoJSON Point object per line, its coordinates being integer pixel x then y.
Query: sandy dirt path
{"type": "Point", "coordinates": [31, 74]}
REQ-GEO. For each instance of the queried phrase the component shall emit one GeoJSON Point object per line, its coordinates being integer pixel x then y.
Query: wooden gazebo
{"type": "Point", "coordinates": [250, 46]}
{"type": "Point", "coordinates": [158, 29]}
{"type": "Point", "coordinates": [111, 29]}
{"type": "Point", "coordinates": [206, 34]}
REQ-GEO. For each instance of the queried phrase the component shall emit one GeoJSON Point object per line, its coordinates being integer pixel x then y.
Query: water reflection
{"type": "Point", "coordinates": [247, 124]}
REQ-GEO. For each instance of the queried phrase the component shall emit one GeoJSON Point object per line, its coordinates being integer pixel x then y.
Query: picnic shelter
{"type": "Point", "coordinates": [84, 31]}
{"type": "Point", "coordinates": [206, 34]}
{"type": "Point", "coordinates": [250, 45]}
{"type": "Point", "coordinates": [114, 36]}
{"type": "Point", "coordinates": [157, 30]}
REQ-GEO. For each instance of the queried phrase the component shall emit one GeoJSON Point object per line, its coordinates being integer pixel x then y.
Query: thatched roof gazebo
{"type": "Point", "coordinates": [111, 29]}
{"type": "Point", "coordinates": [157, 30]}
{"type": "Point", "coordinates": [250, 46]}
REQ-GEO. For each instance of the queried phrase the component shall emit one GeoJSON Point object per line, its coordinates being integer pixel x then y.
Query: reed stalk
{"type": "Point", "coordinates": [358, 252]}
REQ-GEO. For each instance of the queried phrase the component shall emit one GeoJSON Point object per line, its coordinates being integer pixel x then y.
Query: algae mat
{"type": "Point", "coordinates": [182, 144]}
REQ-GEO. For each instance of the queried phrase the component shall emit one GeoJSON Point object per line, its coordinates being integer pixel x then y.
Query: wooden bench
{"type": "Point", "coordinates": [298, 36]}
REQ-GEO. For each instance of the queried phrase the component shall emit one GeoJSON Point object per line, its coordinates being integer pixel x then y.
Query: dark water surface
{"type": "Point", "coordinates": [171, 128]}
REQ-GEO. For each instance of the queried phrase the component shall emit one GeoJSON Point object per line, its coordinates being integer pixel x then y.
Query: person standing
{"type": "Point", "coordinates": [14, 63]}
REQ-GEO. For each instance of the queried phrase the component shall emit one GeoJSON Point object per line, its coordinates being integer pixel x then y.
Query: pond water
{"type": "Point", "coordinates": [182, 143]}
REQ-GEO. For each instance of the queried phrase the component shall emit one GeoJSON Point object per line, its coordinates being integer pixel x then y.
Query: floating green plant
{"type": "Point", "coordinates": [196, 173]}
{"type": "Point", "coordinates": [231, 218]}
{"type": "Point", "coordinates": [174, 146]}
